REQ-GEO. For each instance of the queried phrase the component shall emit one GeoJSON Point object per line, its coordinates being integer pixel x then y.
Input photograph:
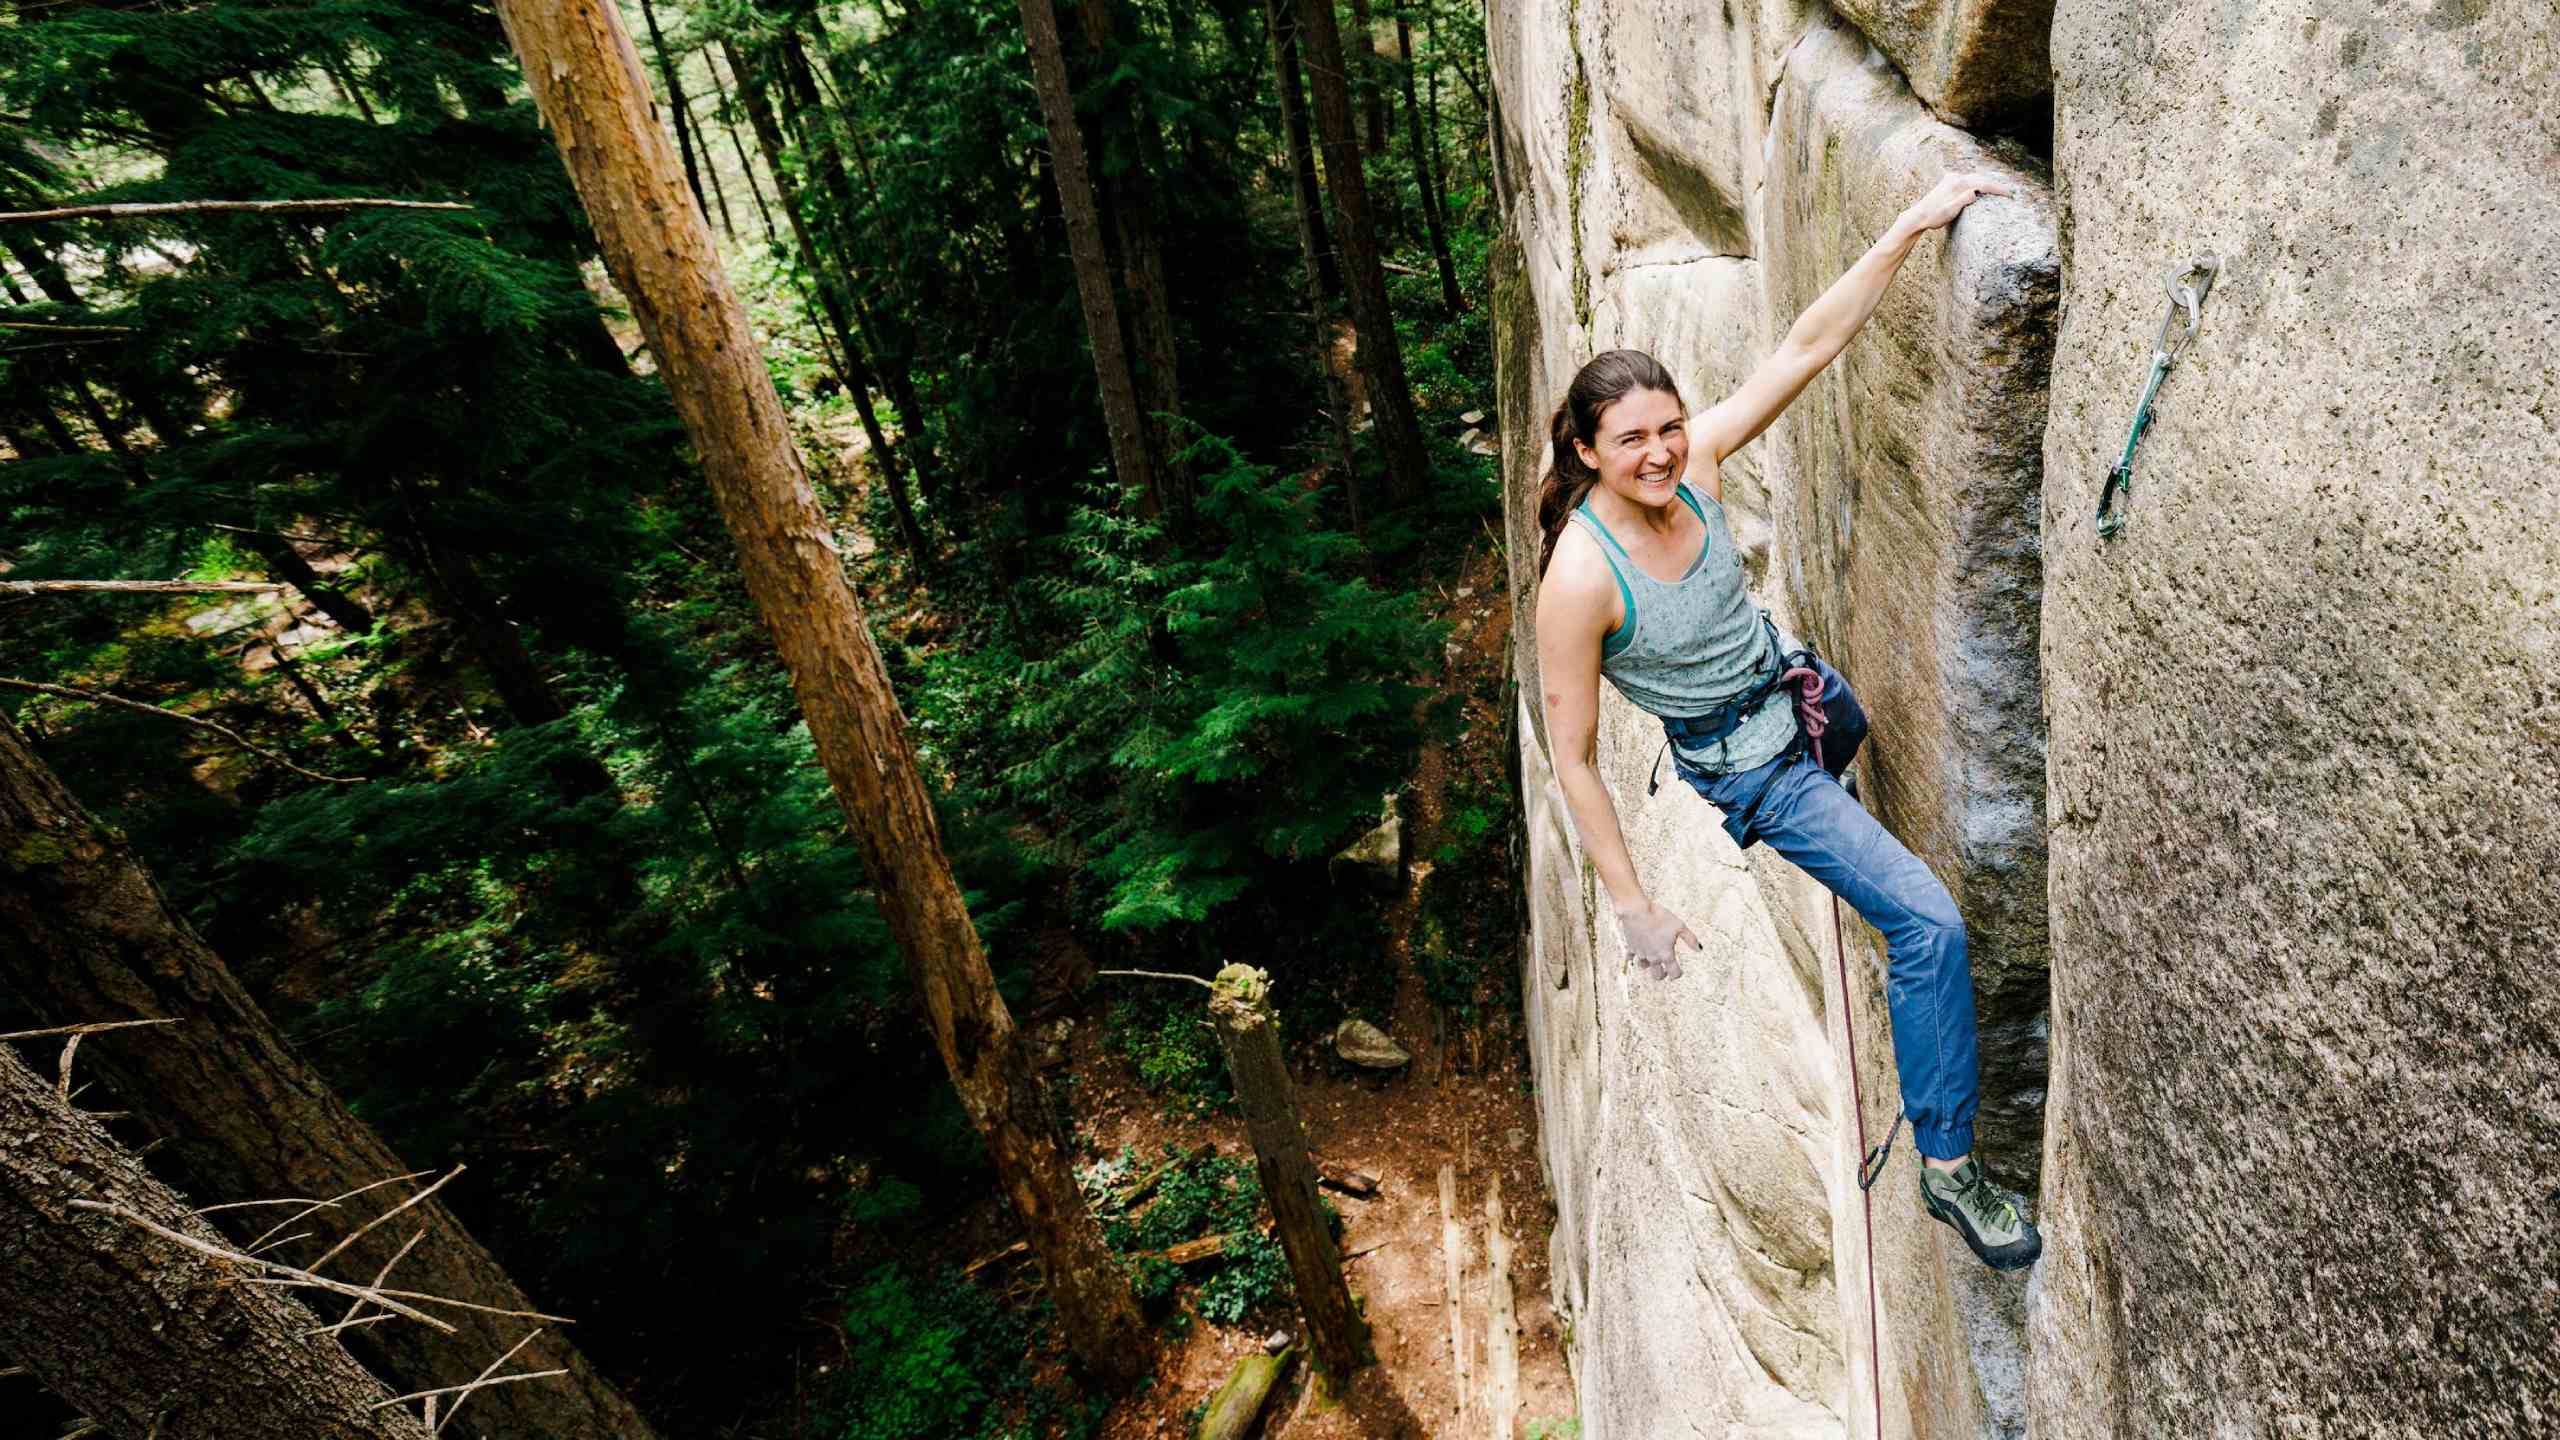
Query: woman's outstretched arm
{"type": "Point", "coordinates": [1574, 615]}
{"type": "Point", "coordinates": [1825, 327]}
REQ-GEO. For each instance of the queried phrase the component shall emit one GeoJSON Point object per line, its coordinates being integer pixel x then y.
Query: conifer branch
{"type": "Point", "coordinates": [190, 207]}
{"type": "Point", "coordinates": [234, 736]}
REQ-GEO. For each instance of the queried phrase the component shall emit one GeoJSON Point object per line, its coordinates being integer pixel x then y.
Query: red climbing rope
{"type": "Point", "coordinates": [1808, 683]}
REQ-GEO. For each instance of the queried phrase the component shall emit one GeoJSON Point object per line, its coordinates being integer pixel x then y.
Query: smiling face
{"type": "Point", "coordinates": [1640, 447]}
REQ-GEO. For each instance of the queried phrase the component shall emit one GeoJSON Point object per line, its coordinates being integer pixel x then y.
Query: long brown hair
{"type": "Point", "coordinates": [1596, 386]}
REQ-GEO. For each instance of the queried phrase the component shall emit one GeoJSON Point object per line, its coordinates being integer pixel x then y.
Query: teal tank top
{"type": "Point", "coordinates": [1691, 644]}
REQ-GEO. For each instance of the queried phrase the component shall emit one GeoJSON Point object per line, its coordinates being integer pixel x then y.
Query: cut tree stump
{"type": "Point", "coordinates": [1240, 1012]}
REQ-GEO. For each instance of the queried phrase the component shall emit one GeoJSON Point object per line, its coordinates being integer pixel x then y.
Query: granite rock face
{"type": "Point", "coordinates": [1976, 63]}
{"type": "Point", "coordinates": [2306, 1024]}
{"type": "Point", "coordinates": [1700, 1135]}
{"type": "Point", "coordinates": [1914, 467]}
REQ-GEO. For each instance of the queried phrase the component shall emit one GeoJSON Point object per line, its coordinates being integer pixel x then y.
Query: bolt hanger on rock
{"type": "Point", "coordinates": [2187, 290]}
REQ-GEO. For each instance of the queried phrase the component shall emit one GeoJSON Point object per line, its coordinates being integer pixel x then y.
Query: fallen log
{"type": "Point", "coordinates": [1238, 1403]}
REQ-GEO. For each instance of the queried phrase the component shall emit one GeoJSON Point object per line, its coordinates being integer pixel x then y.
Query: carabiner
{"type": "Point", "coordinates": [2187, 297]}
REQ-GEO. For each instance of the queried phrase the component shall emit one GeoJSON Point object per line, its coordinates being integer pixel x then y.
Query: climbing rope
{"type": "Point", "coordinates": [1808, 685]}
{"type": "Point", "coordinates": [2187, 290]}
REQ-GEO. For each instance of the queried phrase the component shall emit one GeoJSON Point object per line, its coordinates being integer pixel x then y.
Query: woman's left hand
{"type": "Point", "coordinates": [1945, 202]}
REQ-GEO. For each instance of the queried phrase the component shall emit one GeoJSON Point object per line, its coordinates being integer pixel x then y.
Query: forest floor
{"type": "Point", "coordinates": [1464, 1106]}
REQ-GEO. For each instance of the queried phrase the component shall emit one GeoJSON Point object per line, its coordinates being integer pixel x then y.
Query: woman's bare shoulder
{"type": "Point", "coordinates": [1579, 589]}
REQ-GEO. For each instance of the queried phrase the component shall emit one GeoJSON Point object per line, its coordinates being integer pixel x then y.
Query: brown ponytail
{"type": "Point", "coordinates": [1596, 386]}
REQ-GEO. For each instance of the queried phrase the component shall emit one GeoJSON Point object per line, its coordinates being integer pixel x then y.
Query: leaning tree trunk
{"type": "Point", "coordinates": [1129, 449]}
{"type": "Point", "coordinates": [238, 1115]}
{"type": "Point", "coordinates": [1356, 240]}
{"type": "Point", "coordinates": [1240, 1011]}
{"type": "Point", "coordinates": [586, 80]}
{"type": "Point", "coordinates": [139, 1333]}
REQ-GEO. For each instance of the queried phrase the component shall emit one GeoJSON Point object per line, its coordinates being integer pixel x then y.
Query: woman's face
{"type": "Point", "coordinates": [1641, 446]}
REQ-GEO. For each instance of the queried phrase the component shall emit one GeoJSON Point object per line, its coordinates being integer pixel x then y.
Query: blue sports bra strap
{"type": "Point", "coordinates": [1694, 507]}
{"type": "Point", "coordinates": [1583, 511]}
{"type": "Point", "coordinates": [1620, 638]}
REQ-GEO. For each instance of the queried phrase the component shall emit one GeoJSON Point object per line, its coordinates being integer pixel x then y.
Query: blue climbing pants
{"type": "Point", "coordinates": [1799, 808]}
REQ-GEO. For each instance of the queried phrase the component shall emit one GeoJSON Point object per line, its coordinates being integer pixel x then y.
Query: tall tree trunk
{"type": "Point", "coordinates": [891, 342]}
{"type": "Point", "coordinates": [711, 172]}
{"type": "Point", "coordinates": [1129, 198]}
{"type": "Point", "coordinates": [1362, 53]}
{"type": "Point", "coordinates": [1282, 16]}
{"type": "Point", "coordinates": [856, 372]}
{"type": "Point", "coordinates": [675, 102]}
{"type": "Point", "coordinates": [1129, 450]}
{"type": "Point", "coordinates": [241, 1116]}
{"type": "Point", "coordinates": [746, 167]}
{"type": "Point", "coordinates": [143, 1335]}
{"type": "Point", "coordinates": [586, 79]}
{"type": "Point", "coordinates": [286, 564]}
{"type": "Point", "coordinates": [1356, 238]}
{"type": "Point", "coordinates": [1432, 218]}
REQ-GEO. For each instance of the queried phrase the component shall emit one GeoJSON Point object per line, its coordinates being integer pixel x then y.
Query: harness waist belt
{"type": "Point", "coordinates": [1726, 718]}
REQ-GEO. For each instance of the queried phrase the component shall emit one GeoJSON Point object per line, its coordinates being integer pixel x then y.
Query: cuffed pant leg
{"type": "Point", "coordinates": [1806, 816]}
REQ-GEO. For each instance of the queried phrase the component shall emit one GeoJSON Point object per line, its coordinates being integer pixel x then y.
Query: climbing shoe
{"type": "Point", "coordinates": [1983, 1213]}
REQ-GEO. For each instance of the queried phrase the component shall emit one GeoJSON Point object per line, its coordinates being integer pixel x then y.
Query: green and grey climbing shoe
{"type": "Point", "coordinates": [1983, 1213]}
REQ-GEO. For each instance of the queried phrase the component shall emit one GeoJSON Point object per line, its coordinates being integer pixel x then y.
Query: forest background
{"type": "Point", "coordinates": [590, 922]}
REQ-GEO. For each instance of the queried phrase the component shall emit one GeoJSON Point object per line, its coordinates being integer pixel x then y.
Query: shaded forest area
{"type": "Point", "coordinates": [1136, 352]}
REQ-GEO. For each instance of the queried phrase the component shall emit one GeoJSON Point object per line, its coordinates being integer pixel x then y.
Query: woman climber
{"type": "Point", "coordinates": [1647, 590]}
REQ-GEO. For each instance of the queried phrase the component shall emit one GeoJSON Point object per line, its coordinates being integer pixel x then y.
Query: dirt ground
{"type": "Point", "coordinates": [1463, 1105]}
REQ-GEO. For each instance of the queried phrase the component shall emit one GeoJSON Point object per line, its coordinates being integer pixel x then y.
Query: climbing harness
{"type": "Point", "coordinates": [1717, 725]}
{"type": "Point", "coordinates": [2187, 290]}
{"type": "Point", "coordinates": [1808, 684]}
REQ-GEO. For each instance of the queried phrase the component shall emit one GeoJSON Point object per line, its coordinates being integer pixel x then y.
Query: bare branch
{"type": "Point", "coordinates": [326, 1204]}
{"type": "Point", "coordinates": [89, 1029]}
{"type": "Point", "coordinates": [140, 587]}
{"type": "Point", "coordinates": [70, 1047]}
{"type": "Point", "coordinates": [437, 1426]}
{"type": "Point", "coordinates": [66, 329]}
{"type": "Point", "coordinates": [350, 1324]}
{"type": "Point", "coordinates": [360, 1231]}
{"type": "Point", "coordinates": [384, 1274]}
{"type": "Point", "coordinates": [191, 207]}
{"type": "Point", "coordinates": [248, 1204]}
{"type": "Point", "coordinates": [474, 1385]}
{"type": "Point", "coordinates": [282, 1274]}
{"type": "Point", "coordinates": [424, 1299]}
{"type": "Point", "coordinates": [1160, 975]}
{"type": "Point", "coordinates": [234, 736]}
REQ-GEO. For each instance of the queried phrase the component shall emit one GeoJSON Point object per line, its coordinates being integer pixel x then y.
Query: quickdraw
{"type": "Point", "coordinates": [2187, 290]}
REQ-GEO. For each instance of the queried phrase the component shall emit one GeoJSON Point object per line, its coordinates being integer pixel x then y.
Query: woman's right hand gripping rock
{"type": "Point", "coordinates": [1653, 935]}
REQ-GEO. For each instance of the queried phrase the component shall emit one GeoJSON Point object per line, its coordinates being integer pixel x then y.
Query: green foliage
{"type": "Point", "coordinates": [940, 1359]}
{"type": "Point", "coordinates": [1254, 1273]}
{"type": "Point", "coordinates": [1467, 931]}
{"type": "Point", "coordinates": [1213, 714]}
{"type": "Point", "coordinates": [1212, 1196]}
{"type": "Point", "coordinates": [1175, 1054]}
